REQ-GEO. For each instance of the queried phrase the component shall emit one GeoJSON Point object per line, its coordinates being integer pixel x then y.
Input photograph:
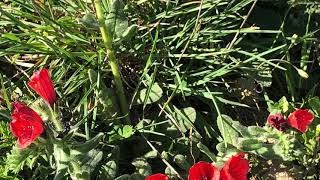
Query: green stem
{"type": "Point", "coordinates": [107, 39]}
{"type": "Point", "coordinates": [56, 122]}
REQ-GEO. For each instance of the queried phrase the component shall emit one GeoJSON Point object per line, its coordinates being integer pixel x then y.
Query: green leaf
{"type": "Point", "coordinates": [90, 160]}
{"type": "Point", "coordinates": [256, 131]}
{"type": "Point", "coordinates": [62, 157]}
{"type": "Point", "coordinates": [89, 21]}
{"type": "Point", "coordinates": [250, 144]}
{"type": "Point", "coordinates": [241, 129]}
{"type": "Point", "coordinates": [284, 104]}
{"type": "Point", "coordinates": [127, 131]}
{"type": "Point", "coordinates": [88, 145]}
{"type": "Point", "coordinates": [76, 172]}
{"type": "Point", "coordinates": [229, 133]}
{"type": "Point", "coordinates": [123, 177]}
{"type": "Point", "coordinates": [18, 158]}
{"type": "Point", "coordinates": [120, 132]}
{"type": "Point", "coordinates": [142, 166]}
{"type": "Point", "coordinates": [105, 95]}
{"type": "Point", "coordinates": [204, 149]}
{"type": "Point", "coordinates": [136, 176]}
{"type": "Point", "coordinates": [11, 37]}
{"type": "Point", "coordinates": [41, 108]}
{"type": "Point", "coordinates": [154, 95]}
{"type": "Point", "coordinates": [129, 33]}
{"type": "Point", "coordinates": [109, 170]}
{"type": "Point", "coordinates": [270, 151]}
{"type": "Point", "coordinates": [169, 172]}
{"type": "Point", "coordinates": [151, 154]}
{"type": "Point", "coordinates": [181, 161]}
{"type": "Point", "coordinates": [314, 103]}
{"type": "Point", "coordinates": [116, 20]}
{"type": "Point", "coordinates": [281, 106]}
{"type": "Point", "coordinates": [185, 117]}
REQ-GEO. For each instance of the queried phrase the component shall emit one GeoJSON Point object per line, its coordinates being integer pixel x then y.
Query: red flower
{"type": "Point", "coordinates": [158, 176]}
{"type": "Point", "coordinates": [235, 168]}
{"type": "Point", "coordinates": [26, 124]}
{"type": "Point", "coordinates": [203, 171]}
{"type": "Point", "coordinates": [41, 82]}
{"type": "Point", "coordinates": [277, 121]}
{"type": "Point", "coordinates": [300, 119]}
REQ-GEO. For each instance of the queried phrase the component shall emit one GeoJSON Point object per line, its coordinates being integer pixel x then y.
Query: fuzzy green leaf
{"type": "Point", "coordinates": [89, 21]}
{"type": "Point", "coordinates": [154, 95]}
{"type": "Point", "coordinates": [185, 117]}
{"type": "Point", "coordinates": [88, 145]}
{"type": "Point", "coordinates": [109, 170]}
{"type": "Point", "coordinates": [204, 149]}
{"type": "Point", "coordinates": [228, 132]}
{"type": "Point", "coordinates": [181, 161]}
{"type": "Point", "coordinates": [62, 157]}
{"type": "Point", "coordinates": [116, 20]}
{"type": "Point", "coordinates": [315, 104]}
{"type": "Point", "coordinates": [130, 32]}
{"type": "Point", "coordinates": [105, 95]}
{"type": "Point", "coordinates": [142, 166]}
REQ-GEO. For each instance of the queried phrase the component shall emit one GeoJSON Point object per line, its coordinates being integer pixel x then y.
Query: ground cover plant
{"type": "Point", "coordinates": [159, 89]}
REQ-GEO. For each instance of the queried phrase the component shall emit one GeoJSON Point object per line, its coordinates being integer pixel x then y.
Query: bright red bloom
{"type": "Point", "coordinates": [157, 176]}
{"type": "Point", "coordinates": [235, 168]}
{"type": "Point", "coordinates": [300, 119]}
{"type": "Point", "coordinates": [277, 121]}
{"type": "Point", "coordinates": [41, 82]}
{"type": "Point", "coordinates": [26, 124]}
{"type": "Point", "coordinates": [203, 171]}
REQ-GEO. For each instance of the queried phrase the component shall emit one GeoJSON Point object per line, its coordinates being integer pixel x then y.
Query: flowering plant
{"type": "Point", "coordinates": [189, 97]}
{"type": "Point", "coordinates": [27, 126]}
{"type": "Point", "coordinates": [236, 168]}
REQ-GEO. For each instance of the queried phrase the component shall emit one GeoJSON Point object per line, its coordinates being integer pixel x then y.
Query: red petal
{"type": "Point", "coordinates": [21, 129]}
{"type": "Point", "coordinates": [157, 176]}
{"type": "Point", "coordinates": [26, 124]}
{"type": "Point", "coordinates": [23, 143]}
{"type": "Point", "coordinates": [42, 84]}
{"type": "Point", "coordinates": [203, 171]}
{"type": "Point", "coordinates": [235, 168]}
{"type": "Point", "coordinates": [277, 121]}
{"type": "Point", "coordinates": [300, 119]}
{"type": "Point", "coordinates": [19, 109]}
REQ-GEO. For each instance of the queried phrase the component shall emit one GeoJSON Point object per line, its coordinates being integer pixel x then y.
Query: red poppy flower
{"type": "Point", "coordinates": [26, 124]}
{"type": "Point", "coordinates": [157, 176]}
{"type": "Point", "coordinates": [300, 119]}
{"type": "Point", "coordinates": [235, 168]}
{"type": "Point", "coordinates": [41, 82]}
{"type": "Point", "coordinates": [203, 171]}
{"type": "Point", "coordinates": [277, 121]}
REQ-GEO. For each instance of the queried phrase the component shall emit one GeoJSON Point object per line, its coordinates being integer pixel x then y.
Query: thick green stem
{"type": "Point", "coordinates": [107, 39]}
{"type": "Point", "coordinates": [56, 122]}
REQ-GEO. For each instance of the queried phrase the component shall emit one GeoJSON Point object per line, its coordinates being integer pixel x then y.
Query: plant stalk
{"type": "Point", "coordinates": [56, 122]}
{"type": "Point", "coordinates": [107, 39]}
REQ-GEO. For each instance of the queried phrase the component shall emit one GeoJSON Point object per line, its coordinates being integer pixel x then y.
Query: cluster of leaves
{"type": "Point", "coordinates": [185, 65]}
